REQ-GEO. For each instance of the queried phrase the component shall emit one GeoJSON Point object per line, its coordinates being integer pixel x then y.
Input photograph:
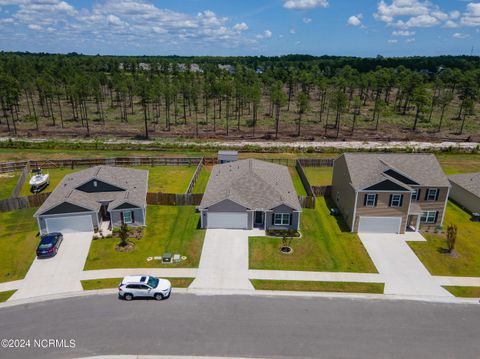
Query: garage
{"type": "Point", "coordinates": [379, 224]}
{"type": "Point", "coordinates": [68, 224]}
{"type": "Point", "coordinates": [230, 220]}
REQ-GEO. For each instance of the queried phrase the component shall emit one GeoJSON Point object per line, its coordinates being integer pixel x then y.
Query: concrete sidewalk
{"type": "Point", "coordinates": [224, 260]}
{"type": "Point", "coordinates": [403, 272]}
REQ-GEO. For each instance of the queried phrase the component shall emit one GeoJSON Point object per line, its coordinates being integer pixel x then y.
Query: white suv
{"type": "Point", "coordinates": [137, 286]}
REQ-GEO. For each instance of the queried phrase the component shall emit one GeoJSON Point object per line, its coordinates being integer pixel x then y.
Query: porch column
{"type": "Point", "coordinates": [417, 226]}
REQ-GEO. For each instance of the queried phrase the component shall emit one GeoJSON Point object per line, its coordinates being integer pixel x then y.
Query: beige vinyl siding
{"type": "Point", "coordinates": [464, 198]}
{"type": "Point", "coordinates": [382, 208]}
{"type": "Point", "coordinates": [342, 186]}
{"type": "Point", "coordinates": [438, 205]}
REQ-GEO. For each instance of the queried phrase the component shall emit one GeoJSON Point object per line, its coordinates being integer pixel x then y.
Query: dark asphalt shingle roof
{"type": "Point", "coordinates": [368, 169]}
{"type": "Point", "coordinates": [133, 181]}
{"type": "Point", "coordinates": [468, 181]}
{"type": "Point", "coordinates": [251, 183]}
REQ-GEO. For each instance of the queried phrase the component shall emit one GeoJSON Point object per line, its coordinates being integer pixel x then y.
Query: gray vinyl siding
{"type": "Point", "coordinates": [295, 221]}
{"type": "Point", "coordinates": [226, 206]}
{"type": "Point", "coordinates": [138, 216]}
{"type": "Point", "coordinates": [343, 190]}
{"type": "Point", "coordinates": [464, 198]}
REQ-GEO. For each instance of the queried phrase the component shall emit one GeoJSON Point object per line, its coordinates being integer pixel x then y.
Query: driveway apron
{"type": "Point", "coordinates": [224, 260]}
{"type": "Point", "coordinates": [59, 274]}
{"type": "Point", "coordinates": [403, 272]}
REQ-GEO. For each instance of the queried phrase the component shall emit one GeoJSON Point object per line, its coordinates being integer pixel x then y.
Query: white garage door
{"type": "Point", "coordinates": [231, 220]}
{"type": "Point", "coordinates": [70, 224]}
{"type": "Point", "coordinates": [379, 224]}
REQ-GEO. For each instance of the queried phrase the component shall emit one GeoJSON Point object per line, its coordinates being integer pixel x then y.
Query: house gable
{"type": "Point", "coordinates": [65, 208]}
{"type": "Point", "coordinates": [125, 205]}
{"type": "Point", "coordinates": [400, 177]}
{"type": "Point", "coordinates": [226, 205]}
{"type": "Point", "coordinates": [95, 185]}
{"type": "Point", "coordinates": [386, 185]}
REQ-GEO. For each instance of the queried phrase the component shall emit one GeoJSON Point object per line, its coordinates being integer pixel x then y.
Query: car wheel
{"type": "Point", "coordinates": [128, 296]}
{"type": "Point", "coordinates": [158, 296]}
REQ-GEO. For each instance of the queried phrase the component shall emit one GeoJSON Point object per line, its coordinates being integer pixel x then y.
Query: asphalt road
{"type": "Point", "coordinates": [245, 326]}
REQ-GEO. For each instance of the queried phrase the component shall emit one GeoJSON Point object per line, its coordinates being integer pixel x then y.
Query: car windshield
{"type": "Point", "coordinates": [152, 282]}
{"type": "Point", "coordinates": [47, 242]}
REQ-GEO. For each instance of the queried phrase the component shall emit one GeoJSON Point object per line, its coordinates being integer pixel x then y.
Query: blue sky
{"type": "Point", "coordinates": [241, 27]}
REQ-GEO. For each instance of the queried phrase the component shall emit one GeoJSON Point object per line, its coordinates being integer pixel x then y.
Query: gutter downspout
{"type": "Point", "coordinates": [445, 207]}
{"type": "Point", "coordinates": [354, 208]}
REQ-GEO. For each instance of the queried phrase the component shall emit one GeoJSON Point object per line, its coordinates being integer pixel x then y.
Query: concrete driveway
{"type": "Point", "coordinates": [224, 260]}
{"type": "Point", "coordinates": [403, 272]}
{"type": "Point", "coordinates": [59, 274]}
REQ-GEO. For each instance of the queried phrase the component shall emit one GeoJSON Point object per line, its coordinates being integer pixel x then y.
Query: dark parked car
{"type": "Point", "coordinates": [49, 245]}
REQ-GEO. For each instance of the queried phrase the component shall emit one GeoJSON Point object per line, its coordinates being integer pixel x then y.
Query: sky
{"type": "Point", "coordinates": [363, 28]}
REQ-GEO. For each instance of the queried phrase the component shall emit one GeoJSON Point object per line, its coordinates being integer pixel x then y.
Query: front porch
{"type": "Point", "coordinates": [414, 218]}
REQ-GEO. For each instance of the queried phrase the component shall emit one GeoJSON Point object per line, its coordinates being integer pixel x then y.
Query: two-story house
{"type": "Point", "coordinates": [390, 193]}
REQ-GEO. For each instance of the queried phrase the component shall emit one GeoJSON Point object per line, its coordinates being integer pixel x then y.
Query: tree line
{"type": "Point", "coordinates": [335, 91]}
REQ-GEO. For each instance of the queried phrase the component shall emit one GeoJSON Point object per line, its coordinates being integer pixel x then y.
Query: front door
{"type": "Point", "coordinates": [259, 217]}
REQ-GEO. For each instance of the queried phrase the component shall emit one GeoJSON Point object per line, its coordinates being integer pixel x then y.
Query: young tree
{"type": "Point", "coordinates": [445, 98]}
{"type": "Point", "coordinates": [303, 105]}
{"type": "Point", "coordinates": [451, 237]}
{"type": "Point", "coordinates": [279, 99]}
{"type": "Point", "coordinates": [421, 99]}
{"type": "Point", "coordinates": [123, 235]}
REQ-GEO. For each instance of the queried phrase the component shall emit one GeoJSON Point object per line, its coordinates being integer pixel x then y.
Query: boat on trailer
{"type": "Point", "coordinates": [38, 180]}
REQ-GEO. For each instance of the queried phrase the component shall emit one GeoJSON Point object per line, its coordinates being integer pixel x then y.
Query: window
{"type": "Point", "coordinates": [416, 194]}
{"type": "Point", "coordinates": [281, 219]}
{"type": "Point", "coordinates": [396, 200]}
{"type": "Point", "coordinates": [371, 200]}
{"type": "Point", "coordinates": [429, 217]}
{"type": "Point", "coordinates": [127, 217]}
{"type": "Point", "coordinates": [432, 194]}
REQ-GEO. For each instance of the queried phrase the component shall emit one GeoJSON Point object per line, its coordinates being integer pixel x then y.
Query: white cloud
{"type": "Point", "coordinates": [307, 20]}
{"type": "Point", "coordinates": [240, 27]}
{"type": "Point", "coordinates": [410, 40]}
{"type": "Point", "coordinates": [304, 4]}
{"type": "Point", "coordinates": [292, 31]}
{"type": "Point", "coordinates": [451, 24]}
{"type": "Point", "coordinates": [392, 41]}
{"type": "Point", "coordinates": [459, 35]}
{"type": "Point", "coordinates": [472, 16]}
{"type": "Point", "coordinates": [455, 14]}
{"type": "Point", "coordinates": [35, 27]}
{"type": "Point", "coordinates": [405, 33]}
{"type": "Point", "coordinates": [265, 35]}
{"type": "Point", "coordinates": [355, 20]}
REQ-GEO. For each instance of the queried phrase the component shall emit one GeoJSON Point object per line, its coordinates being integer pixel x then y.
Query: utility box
{"type": "Point", "coordinates": [167, 258]}
{"type": "Point", "coordinates": [227, 156]}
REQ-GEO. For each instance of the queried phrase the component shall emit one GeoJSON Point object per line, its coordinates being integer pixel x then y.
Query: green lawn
{"type": "Point", "coordinates": [114, 282]}
{"type": "Point", "coordinates": [169, 179]}
{"type": "Point", "coordinates": [464, 292]}
{"type": "Point", "coordinates": [297, 182]}
{"type": "Point", "coordinates": [466, 262]}
{"type": "Point", "coordinates": [8, 182]}
{"type": "Point", "coordinates": [307, 286]}
{"type": "Point", "coordinates": [319, 176]}
{"type": "Point", "coordinates": [56, 176]}
{"type": "Point", "coordinates": [18, 242]}
{"type": "Point", "coordinates": [459, 163]}
{"type": "Point", "coordinates": [169, 229]}
{"type": "Point", "coordinates": [4, 296]}
{"type": "Point", "coordinates": [325, 246]}
{"type": "Point", "coordinates": [202, 180]}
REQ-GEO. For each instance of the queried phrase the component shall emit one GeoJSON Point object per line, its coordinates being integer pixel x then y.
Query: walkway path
{"type": "Point", "coordinates": [403, 272]}
{"type": "Point", "coordinates": [224, 260]}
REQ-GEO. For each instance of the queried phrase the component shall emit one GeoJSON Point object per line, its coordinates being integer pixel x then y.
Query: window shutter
{"type": "Point", "coordinates": [438, 194]}
{"type": "Point", "coordinates": [133, 217]}
{"type": "Point", "coordinates": [390, 201]}
{"type": "Point", "coordinates": [401, 200]}
{"type": "Point", "coordinates": [365, 200]}
{"type": "Point", "coordinates": [121, 217]}
{"type": "Point", "coordinates": [418, 194]}
{"type": "Point", "coordinates": [426, 194]}
{"type": "Point", "coordinates": [376, 200]}
{"type": "Point", "coordinates": [273, 218]}
{"type": "Point", "coordinates": [436, 216]}
{"type": "Point", "coordinates": [290, 219]}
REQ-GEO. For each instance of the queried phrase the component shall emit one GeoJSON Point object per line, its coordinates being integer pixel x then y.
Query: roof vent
{"type": "Point", "coordinates": [95, 183]}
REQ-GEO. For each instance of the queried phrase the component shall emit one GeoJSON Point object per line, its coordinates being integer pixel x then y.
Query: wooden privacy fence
{"type": "Point", "coordinates": [307, 202]}
{"type": "Point", "coordinates": [12, 166]}
{"type": "Point", "coordinates": [14, 203]}
{"type": "Point", "coordinates": [172, 199]}
{"type": "Point", "coordinates": [21, 180]}
{"type": "Point", "coordinates": [194, 179]}
{"type": "Point", "coordinates": [322, 190]}
{"type": "Point", "coordinates": [316, 162]}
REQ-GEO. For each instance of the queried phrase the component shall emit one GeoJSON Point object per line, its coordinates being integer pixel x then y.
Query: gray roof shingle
{"type": "Point", "coordinates": [368, 169]}
{"type": "Point", "coordinates": [251, 183]}
{"type": "Point", "coordinates": [135, 183]}
{"type": "Point", "coordinates": [468, 181]}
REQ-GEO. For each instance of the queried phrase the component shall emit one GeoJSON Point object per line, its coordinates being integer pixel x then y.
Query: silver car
{"type": "Point", "coordinates": [144, 286]}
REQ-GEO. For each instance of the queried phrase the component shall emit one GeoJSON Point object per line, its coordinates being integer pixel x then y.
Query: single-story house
{"type": "Point", "coordinates": [85, 199]}
{"type": "Point", "coordinates": [250, 193]}
{"type": "Point", "coordinates": [390, 193]}
{"type": "Point", "coordinates": [466, 190]}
